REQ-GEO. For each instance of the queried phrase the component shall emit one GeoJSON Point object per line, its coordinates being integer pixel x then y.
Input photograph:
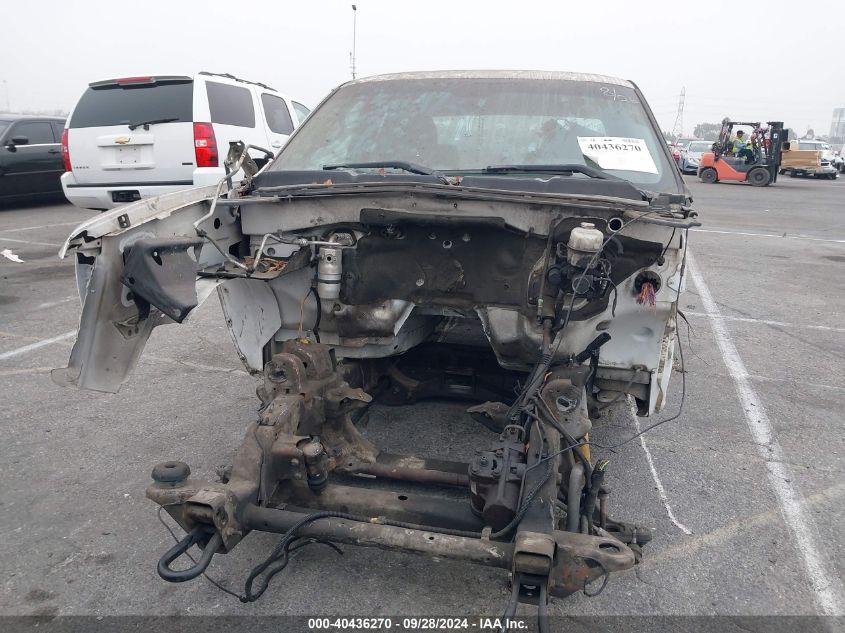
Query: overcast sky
{"type": "Point", "coordinates": [774, 60]}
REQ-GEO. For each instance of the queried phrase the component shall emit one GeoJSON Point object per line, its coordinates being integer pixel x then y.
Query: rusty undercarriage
{"type": "Point", "coordinates": [518, 492]}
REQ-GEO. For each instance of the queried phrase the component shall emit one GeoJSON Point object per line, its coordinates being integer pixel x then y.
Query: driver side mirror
{"type": "Point", "coordinates": [15, 141]}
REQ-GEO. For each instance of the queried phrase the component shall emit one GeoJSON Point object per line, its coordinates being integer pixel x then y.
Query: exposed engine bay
{"type": "Point", "coordinates": [538, 309]}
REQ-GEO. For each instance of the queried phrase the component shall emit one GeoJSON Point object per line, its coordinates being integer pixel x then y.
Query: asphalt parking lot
{"type": "Point", "coordinates": [758, 452]}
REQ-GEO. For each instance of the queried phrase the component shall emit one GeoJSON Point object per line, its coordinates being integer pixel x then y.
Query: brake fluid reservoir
{"type": "Point", "coordinates": [329, 272]}
{"type": "Point", "coordinates": [584, 242]}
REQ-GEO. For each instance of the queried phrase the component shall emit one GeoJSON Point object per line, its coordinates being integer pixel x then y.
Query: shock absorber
{"type": "Point", "coordinates": [316, 464]}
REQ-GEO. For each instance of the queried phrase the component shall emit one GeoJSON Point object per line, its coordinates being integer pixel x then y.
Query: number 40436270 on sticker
{"type": "Point", "coordinates": [616, 152]}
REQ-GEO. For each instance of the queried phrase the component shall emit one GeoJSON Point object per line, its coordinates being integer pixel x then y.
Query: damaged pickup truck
{"type": "Point", "coordinates": [512, 239]}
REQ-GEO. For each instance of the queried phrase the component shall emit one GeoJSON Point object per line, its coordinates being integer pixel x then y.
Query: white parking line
{"type": "Point", "coordinates": [43, 226]}
{"type": "Point", "coordinates": [661, 491]}
{"type": "Point", "coordinates": [718, 538]}
{"type": "Point", "coordinates": [53, 304]}
{"type": "Point", "coordinates": [25, 371]}
{"type": "Point", "coordinates": [797, 384]}
{"type": "Point", "coordinates": [33, 346]}
{"type": "Point", "coordinates": [803, 326]}
{"type": "Point", "coordinates": [200, 366]}
{"type": "Point", "coordinates": [777, 235]}
{"type": "Point", "coordinates": [827, 589]}
{"type": "Point", "coordinates": [9, 239]}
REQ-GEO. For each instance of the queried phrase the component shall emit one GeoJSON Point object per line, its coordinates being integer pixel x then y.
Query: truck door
{"type": "Point", "coordinates": [29, 156]}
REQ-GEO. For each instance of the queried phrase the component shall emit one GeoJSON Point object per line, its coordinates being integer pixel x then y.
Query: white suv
{"type": "Point", "coordinates": [140, 137]}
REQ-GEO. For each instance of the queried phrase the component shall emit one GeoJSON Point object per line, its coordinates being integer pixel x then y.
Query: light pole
{"type": "Point", "coordinates": [354, 25]}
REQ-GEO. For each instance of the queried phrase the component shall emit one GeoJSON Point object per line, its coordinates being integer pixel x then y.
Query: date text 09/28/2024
{"type": "Point", "coordinates": [337, 624]}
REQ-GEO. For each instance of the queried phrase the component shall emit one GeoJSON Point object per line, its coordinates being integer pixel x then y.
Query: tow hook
{"type": "Point", "coordinates": [195, 536]}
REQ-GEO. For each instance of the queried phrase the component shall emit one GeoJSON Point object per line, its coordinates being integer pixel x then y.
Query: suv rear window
{"type": "Point", "coordinates": [230, 105]}
{"type": "Point", "coordinates": [122, 105]}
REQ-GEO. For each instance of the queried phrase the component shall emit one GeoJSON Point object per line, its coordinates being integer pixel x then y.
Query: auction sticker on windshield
{"type": "Point", "coordinates": [616, 152]}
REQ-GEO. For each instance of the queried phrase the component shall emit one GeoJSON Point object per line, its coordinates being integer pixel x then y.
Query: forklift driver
{"type": "Point", "coordinates": [740, 148]}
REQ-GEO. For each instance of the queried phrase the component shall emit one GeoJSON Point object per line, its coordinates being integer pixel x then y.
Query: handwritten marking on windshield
{"type": "Point", "coordinates": [609, 91]}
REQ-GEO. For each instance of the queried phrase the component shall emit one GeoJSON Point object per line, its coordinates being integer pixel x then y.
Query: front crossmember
{"type": "Point", "coordinates": [534, 504]}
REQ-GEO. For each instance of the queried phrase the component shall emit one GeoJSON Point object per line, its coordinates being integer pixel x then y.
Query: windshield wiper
{"type": "Point", "coordinates": [567, 168]}
{"type": "Point", "coordinates": [147, 124]}
{"type": "Point", "coordinates": [411, 168]}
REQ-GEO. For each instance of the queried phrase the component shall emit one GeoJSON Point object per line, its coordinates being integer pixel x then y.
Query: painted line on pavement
{"type": "Point", "coordinates": [9, 239]}
{"type": "Point", "coordinates": [200, 366]}
{"type": "Point", "coordinates": [33, 346]}
{"type": "Point", "coordinates": [827, 589]}
{"type": "Point", "coordinates": [717, 538]}
{"type": "Point", "coordinates": [661, 491]}
{"type": "Point", "coordinates": [42, 226]}
{"type": "Point", "coordinates": [53, 304]}
{"type": "Point", "coordinates": [779, 236]}
{"type": "Point", "coordinates": [725, 317]}
{"type": "Point", "coordinates": [797, 383]}
{"type": "Point", "coordinates": [25, 371]}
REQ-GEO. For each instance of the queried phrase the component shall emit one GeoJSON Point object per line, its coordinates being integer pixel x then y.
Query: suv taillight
{"type": "Point", "coordinates": [65, 152]}
{"type": "Point", "coordinates": [205, 145]}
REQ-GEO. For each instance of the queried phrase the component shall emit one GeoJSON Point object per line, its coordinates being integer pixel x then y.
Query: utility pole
{"type": "Point", "coordinates": [678, 128]}
{"type": "Point", "coordinates": [354, 25]}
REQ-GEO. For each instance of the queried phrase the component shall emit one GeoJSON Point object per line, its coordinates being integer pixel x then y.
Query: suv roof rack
{"type": "Point", "coordinates": [230, 76]}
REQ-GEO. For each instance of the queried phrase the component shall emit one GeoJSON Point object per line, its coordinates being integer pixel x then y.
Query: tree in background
{"type": "Point", "coordinates": [707, 131]}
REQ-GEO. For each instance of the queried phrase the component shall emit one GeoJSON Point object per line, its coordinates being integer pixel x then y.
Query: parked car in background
{"type": "Point", "coordinates": [139, 137]}
{"type": "Point", "coordinates": [30, 156]}
{"type": "Point", "coordinates": [675, 151]}
{"type": "Point", "coordinates": [827, 168]}
{"type": "Point", "coordinates": [683, 143]}
{"type": "Point", "coordinates": [691, 156]}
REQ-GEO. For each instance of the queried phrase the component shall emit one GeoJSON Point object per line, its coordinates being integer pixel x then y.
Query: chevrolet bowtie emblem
{"type": "Point", "coordinates": [121, 140]}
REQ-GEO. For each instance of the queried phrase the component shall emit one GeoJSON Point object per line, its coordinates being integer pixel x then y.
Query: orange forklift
{"type": "Point", "coordinates": [759, 166]}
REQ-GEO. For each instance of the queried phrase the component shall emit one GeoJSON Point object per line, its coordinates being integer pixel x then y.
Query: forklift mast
{"type": "Point", "coordinates": [773, 144]}
{"type": "Point", "coordinates": [722, 144]}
